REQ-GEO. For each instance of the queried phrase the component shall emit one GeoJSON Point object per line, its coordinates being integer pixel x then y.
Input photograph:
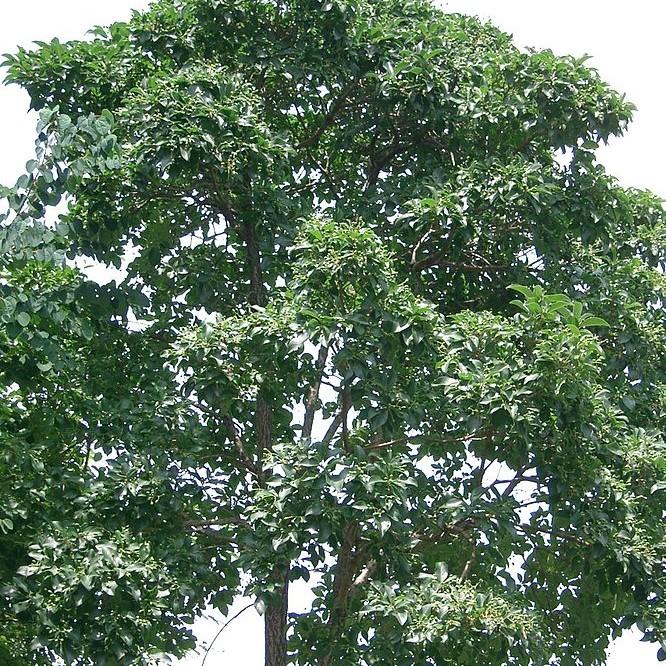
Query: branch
{"type": "Point", "coordinates": [439, 260]}
{"type": "Point", "coordinates": [379, 162]}
{"type": "Point", "coordinates": [468, 566]}
{"type": "Point", "coordinates": [248, 463]}
{"type": "Point", "coordinates": [313, 393]}
{"type": "Point", "coordinates": [339, 419]}
{"type": "Point", "coordinates": [346, 406]}
{"type": "Point", "coordinates": [460, 528]}
{"type": "Point", "coordinates": [218, 522]}
{"type": "Point", "coordinates": [344, 584]}
{"type": "Point", "coordinates": [365, 575]}
{"type": "Point", "coordinates": [264, 427]}
{"type": "Point", "coordinates": [249, 236]}
{"type": "Point", "coordinates": [427, 438]}
{"type": "Point", "coordinates": [519, 478]}
{"type": "Point", "coordinates": [264, 414]}
{"type": "Point", "coordinates": [224, 626]}
{"type": "Point", "coordinates": [528, 529]}
{"type": "Point", "coordinates": [332, 429]}
{"type": "Point", "coordinates": [386, 445]}
{"type": "Point", "coordinates": [31, 185]}
{"type": "Point", "coordinates": [512, 483]}
{"type": "Point", "coordinates": [420, 244]}
{"type": "Point", "coordinates": [331, 114]}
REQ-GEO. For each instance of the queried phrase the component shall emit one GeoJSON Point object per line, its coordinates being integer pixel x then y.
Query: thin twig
{"type": "Point", "coordinates": [224, 626]}
{"type": "Point", "coordinates": [419, 244]}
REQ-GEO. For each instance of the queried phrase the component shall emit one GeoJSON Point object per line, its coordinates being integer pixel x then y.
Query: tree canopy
{"type": "Point", "coordinates": [380, 322]}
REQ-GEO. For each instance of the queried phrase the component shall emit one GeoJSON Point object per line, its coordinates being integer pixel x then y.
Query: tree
{"type": "Point", "coordinates": [382, 323]}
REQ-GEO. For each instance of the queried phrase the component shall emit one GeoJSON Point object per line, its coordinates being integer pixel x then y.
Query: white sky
{"type": "Point", "coordinates": [629, 49]}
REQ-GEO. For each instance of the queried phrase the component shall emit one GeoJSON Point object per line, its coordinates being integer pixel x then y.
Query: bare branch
{"type": "Point", "coordinates": [224, 626]}
{"type": "Point", "coordinates": [439, 260]}
{"type": "Point", "coordinates": [313, 393]}
{"type": "Point", "coordinates": [365, 575]}
{"type": "Point", "coordinates": [468, 566]}
{"type": "Point", "coordinates": [332, 429]}
{"type": "Point", "coordinates": [340, 418]}
{"type": "Point", "coordinates": [248, 463]}
{"type": "Point", "coordinates": [419, 244]}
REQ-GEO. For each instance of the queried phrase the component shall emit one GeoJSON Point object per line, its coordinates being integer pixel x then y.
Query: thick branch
{"type": "Point", "coordinates": [340, 418]}
{"type": "Point", "coordinates": [313, 393]}
{"type": "Point", "coordinates": [365, 575]}
{"type": "Point", "coordinates": [439, 260]}
{"type": "Point", "coordinates": [245, 459]}
{"type": "Point", "coordinates": [331, 115]}
{"type": "Point", "coordinates": [512, 483]}
{"type": "Point", "coordinates": [264, 426]}
{"type": "Point", "coordinates": [519, 478]}
{"type": "Point", "coordinates": [345, 585]}
{"type": "Point", "coordinates": [332, 429]}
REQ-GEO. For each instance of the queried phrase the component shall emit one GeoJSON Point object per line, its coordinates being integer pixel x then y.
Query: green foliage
{"type": "Point", "coordinates": [380, 322]}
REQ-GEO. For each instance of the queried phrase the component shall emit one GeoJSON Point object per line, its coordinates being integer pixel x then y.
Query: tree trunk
{"type": "Point", "coordinates": [342, 586]}
{"type": "Point", "coordinates": [275, 624]}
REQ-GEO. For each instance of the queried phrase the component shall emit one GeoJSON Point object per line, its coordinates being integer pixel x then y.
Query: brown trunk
{"type": "Point", "coordinates": [275, 625]}
{"type": "Point", "coordinates": [342, 586]}
{"type": "Point", "coordinates": [275, 619]}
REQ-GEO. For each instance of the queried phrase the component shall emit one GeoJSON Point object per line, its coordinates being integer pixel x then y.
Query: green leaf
{"type": "Point", "coordinates": [402, 617]}
{"type": "Point", "coordinates": [590, 322]}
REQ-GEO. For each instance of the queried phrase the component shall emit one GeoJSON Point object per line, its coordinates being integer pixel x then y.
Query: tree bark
{"type": "Point", "coordinates": [275, 619]}
{"type": "Point", "coordinates": [348, 560]}
{"type": "Point", "coordinates": [275, 623]}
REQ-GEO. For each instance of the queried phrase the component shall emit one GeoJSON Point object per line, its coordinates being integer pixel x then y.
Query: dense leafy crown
{"type": "Point", "coordinates": [380, 322]}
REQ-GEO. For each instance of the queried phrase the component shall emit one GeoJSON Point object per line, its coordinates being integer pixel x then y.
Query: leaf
{"type": "Point", "coordinates": [22, 182]}
{"type": "Point", "coordinates": [629, 402]}
{"type": "Point", "coordinates": [591, 322]}
{"type": "Point", "coordinates": [525, 291]}
{"type": "Point", "coordinates": [23, 318]}
{"type": "Point", "coordinates": [402, 616]}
